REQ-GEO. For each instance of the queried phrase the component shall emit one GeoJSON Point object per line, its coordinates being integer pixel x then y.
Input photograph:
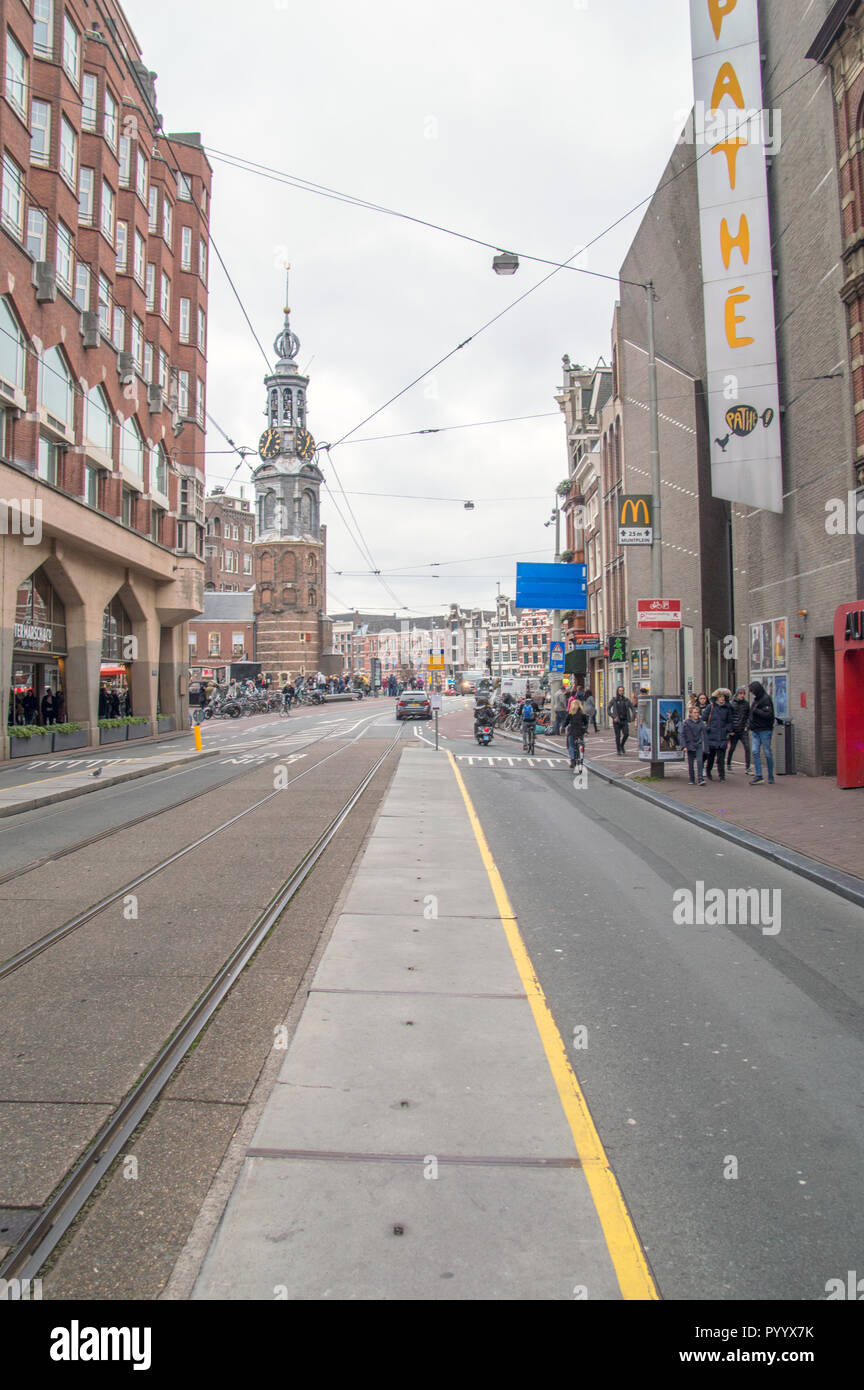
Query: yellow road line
{"type": "Point", "coordinates": [631, 1267]}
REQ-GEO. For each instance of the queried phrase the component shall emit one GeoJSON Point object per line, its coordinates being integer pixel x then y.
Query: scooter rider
{"type": "Point", "coordinates": [483, 714]}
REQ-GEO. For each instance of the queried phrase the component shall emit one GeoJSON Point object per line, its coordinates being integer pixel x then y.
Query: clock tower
{"type": "Point", "coordinates": [289, 555]}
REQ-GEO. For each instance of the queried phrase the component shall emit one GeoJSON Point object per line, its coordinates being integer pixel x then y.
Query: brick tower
{"type": "Point", "coordinates": [289, 554]}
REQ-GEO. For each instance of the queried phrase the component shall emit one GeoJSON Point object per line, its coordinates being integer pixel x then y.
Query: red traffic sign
{"type": "Point", "coordinates": [658, 612]}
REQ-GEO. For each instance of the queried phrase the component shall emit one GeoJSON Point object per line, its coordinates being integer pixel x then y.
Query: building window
{"type": "Point", "coordinates": [137, 343]}
{"type": "Point", "coordinates": [91, 486]}
{"type": "Point", "coordinates": [185, 314]}
{"type": "Point", "coordinates": [98, 424]}
{"type": "Point", "coordinates": [214, 643]}
{"type": "Point", "coordinates": [186, 248]}
{"type": "Point", "coordinates": [118, 336]}
{"type": "Point", "coordinates": [150, 290]}
{"type": "Point", "coordinates": [65, 254]}
{"type": "Point", "coordinates": [165, 298]}
{"type": "Point", "coordinates": [202, 331]}
{"type": "Point", "coordinates": [139, 258]}
{"type": "Point", "coordinates": [148, 363]}
{"type": "Point", "coordinates": [153, 210]}
{"type": "Point", "coordinates": [40, 132]}
{"type": "Point", "coordinates": [55, 388]}
{"type": "Point", "coordinates": [204, 201]}
{"type": "Point", "coordinates": [163, 369]}
{"type": "Point", "coordinates": [104, 305]}
{"type": "Point", "coordinates": [199, 411]}
{"type": "Point", "coordinates": [71, 50]}
{"type": "Point", "coordinates": [247, 535]}
{"type": "Point", "coordinates": [156, 515]}
{"type": "Point", "coordinates": [107, 222]}
{"type": "Point", "coordinates": [16, 76]}
{"type": "Point", "coordinates": [127, 506]}
{"type": "Point", "coordinates": [122, 244]}
{"type": "Point", "coordinates": [184, 187]}
{"type": "Point", "coordinates": [125, 160]}
{"type": "Point", "coordinates": [43, 28]}
{"type": "Point", "coordinates": [85, 196]}
{"type": "Point", "coordinates": [37, 234]}
{"type": "Point", "coordinates": [183, 393]}
{"type": "Point", "coordinates": [46, 466]}
{"type": "Point", "coordinates": [166, 219]}
{"type": "Point", "coordinates": [68, 152]}
{"type": "Point", "coordinates": [141, 178]}
{"type": "Point", "coordinates": [13, 356]}
{"type": "Point", "coordinates": [159, 471]}
{"type": "Point", "coordinates": [82, 286]}
{"type": "Point", "coordinates": [89, 94]}
{"type": "Point", "coordinates": [202, 260]}
{"type": "Point", "coordinates": [247, 564]}
{"type": "Point", "coordinates": [109, 123]}
{"type": "Point", "coordinates": [132, 448]}
{"type": "Point", "coordinates": [12, 213]}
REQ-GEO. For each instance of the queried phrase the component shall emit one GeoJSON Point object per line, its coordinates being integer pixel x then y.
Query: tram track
{"type": "Point", "coordinates": [111, 830]}
{"type": "Point", "coordinates": [49, 939]}
{"type": "Point", "coordinates": [41, 1238]}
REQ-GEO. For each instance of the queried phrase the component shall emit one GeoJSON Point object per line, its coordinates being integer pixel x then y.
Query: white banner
{"type": "Point", "coordinates": [730, 131]}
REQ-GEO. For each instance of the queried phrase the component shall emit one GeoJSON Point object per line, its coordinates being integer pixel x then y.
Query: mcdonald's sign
{"type": "Point", "coordinates": [635, 520]}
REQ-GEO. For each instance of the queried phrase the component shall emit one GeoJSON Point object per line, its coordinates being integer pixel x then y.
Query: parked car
{"type": "Point", "coordinates": [413, 704]}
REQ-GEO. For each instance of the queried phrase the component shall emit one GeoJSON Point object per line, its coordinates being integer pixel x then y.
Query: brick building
{"type": "Point", "coordinates": [228, 543]}
{"type": "Point", "coordinates": [224, 632]}
{"type": "Point", "coordinates": [535, 630]}
{"type": "Point", "coordinates": [103, 309]}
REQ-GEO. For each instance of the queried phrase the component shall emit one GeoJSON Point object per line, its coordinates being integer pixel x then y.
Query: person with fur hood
{"type": "Point", "coordinates": [762, 726]}
{"type": "Point", "coordinates": [719, 721]}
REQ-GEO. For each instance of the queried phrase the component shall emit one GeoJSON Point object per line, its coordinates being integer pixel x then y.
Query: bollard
{"type": "Point", "coordinates": [196, 730]}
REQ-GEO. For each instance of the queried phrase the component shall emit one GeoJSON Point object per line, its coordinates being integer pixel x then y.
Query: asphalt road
{"type": "Point", "coordinates": [708, 1050]}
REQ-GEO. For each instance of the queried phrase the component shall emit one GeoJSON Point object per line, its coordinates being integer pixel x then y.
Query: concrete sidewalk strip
{"type": "Point", "coordinates": [414, 1144]}
{"type": "Point", "coordinates": [79, 782]}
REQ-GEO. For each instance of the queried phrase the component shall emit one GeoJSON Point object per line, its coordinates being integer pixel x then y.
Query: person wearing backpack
{"type": "Point", "coordinates": [529, 720]}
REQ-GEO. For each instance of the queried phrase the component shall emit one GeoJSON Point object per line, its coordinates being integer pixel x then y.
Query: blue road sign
{"type": "Point", "coordinates": [552, 586]}
{"type": "Point", "coordinates": [556, 658]}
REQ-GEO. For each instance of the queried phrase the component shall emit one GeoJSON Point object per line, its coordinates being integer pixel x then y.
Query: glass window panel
{"type": "Point", "coordinates": [89, 94]}
{"type": "Point", "coordinates": [40, 132]}
{"type": "Point", "coordinates": [16, 76]}
{"type": "Point", "coordinates": [43, 28]}
{"type": "Point", "coordinates": [37, 234]}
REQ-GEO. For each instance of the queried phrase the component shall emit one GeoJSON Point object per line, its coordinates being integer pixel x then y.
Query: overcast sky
{"type": "Point", "coordinates": [531, 126]}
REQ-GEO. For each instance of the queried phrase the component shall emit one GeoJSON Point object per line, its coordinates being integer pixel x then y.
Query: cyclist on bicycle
{"type": "Point", "coordinates": [288, 693]}
{"type": "Point", "coordinates": [575, 728]}
{"type": "Point", "coordinates": [528, 715]}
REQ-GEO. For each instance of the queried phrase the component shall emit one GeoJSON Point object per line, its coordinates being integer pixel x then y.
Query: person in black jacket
{"type": "Point", "coordinates": [740, 728]}
{"type": "Point", "coordinates": [762, 725]}
{"type": "Point", "coordinates": [719, 724]}
{"type": "Point", "coordinates": [622, 712]}
{"type": "Point", "coordinates": [575, 728]}
{"type": "Point", "coordinates": [694, 737]}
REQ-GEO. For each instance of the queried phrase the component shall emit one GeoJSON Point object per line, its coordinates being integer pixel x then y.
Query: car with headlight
{"type": "Point", "coordinates": [414, 704]}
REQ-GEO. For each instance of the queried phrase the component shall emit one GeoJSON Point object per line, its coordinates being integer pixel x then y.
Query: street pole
{"type": "Point", "coordinates": [555, 680]}
{"type": "Point", "coordinates": [658, 637]}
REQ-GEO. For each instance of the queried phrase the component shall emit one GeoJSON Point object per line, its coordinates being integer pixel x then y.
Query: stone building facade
{"type": "Point", "coordinates": [104, 237]}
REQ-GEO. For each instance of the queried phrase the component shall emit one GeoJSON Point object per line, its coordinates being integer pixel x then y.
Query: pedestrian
{"type": "Point", "coordinates": [59, 706]}
{"type": "Point", "coordinates": [48, 711]}
{"type": "Point", "coordinates": [622, 712]}
{"type": "Point", "coordinates": [762, 725]}
{"type": "Point", "coordinates": [740, 728]}
{"type": "Point", "coordinates": [31, 706]}
{"type": "Point", "coordinates": [528, 715]}
{"type": "Point", "coordinates": [704, 705]}
{"type": "Point", "coordinates": [575, 726]}
{"type": "Point", "coordinates": [590, 710]}
{"type": "Point", "coordinates": [719, 725]}
{"type": "Point", "coordinates": [694, 737]}
{"type": "Point", "coordinates": [559, 709]}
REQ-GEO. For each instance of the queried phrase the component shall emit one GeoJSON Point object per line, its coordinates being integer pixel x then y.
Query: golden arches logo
{"type": "Point", "coordinates": [636, 507]}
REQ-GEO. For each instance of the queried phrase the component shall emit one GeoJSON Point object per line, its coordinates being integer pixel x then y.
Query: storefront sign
{"type": "Point", "coordinates": [635, 520]}
{"type": "Point", "coordinates": [738, 283]}
{"type": "Point", "coordinates": [32, 635]}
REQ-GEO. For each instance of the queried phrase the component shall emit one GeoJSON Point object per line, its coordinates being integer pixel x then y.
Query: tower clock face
{"type": "Point", "coordinates": [270, 444]}
{"type": "Point", "coordinates": [304, 444]}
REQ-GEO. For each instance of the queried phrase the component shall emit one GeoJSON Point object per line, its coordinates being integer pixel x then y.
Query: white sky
{"type": "Point", "coordinates": [532, 126]}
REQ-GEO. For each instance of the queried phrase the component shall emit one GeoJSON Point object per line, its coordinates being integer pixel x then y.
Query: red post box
{"type": "Point", "coordinates": [849, 665]}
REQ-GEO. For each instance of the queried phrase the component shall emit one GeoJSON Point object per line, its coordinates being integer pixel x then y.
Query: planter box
{"type": "Point", "coordinates": [138, 731]}
{"type": "Point", "coordinates": [165, 724]}
{"type": "Point", "coordinates": [79, 739]}
{"type": "Point", "coordinates": [30, 747]}
{"type": "Point", "coordinates": [113, 735]}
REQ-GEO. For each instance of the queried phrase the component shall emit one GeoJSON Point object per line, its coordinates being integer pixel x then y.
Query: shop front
{"type": "Point", "coordinates": [115, 671]}
{"type": "Point", "coordinates": [37, 679]}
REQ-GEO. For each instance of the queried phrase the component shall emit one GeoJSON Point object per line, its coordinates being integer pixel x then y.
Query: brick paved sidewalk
{"type": "Point", "coordinates": [808, 814]}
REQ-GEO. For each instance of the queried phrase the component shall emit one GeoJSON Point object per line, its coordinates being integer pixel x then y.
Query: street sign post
{"type": "Point", "coordinates": [658, 612]}
{"type": "Point", "coordinates": [556, 658]}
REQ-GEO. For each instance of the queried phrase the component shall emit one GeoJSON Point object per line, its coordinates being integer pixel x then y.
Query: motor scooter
{"type": "Point", "coordinates": [484, 734]}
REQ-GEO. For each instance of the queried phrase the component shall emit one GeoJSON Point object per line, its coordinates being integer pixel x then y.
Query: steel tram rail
{"type": "Point", "coordinates": [30, 1253]}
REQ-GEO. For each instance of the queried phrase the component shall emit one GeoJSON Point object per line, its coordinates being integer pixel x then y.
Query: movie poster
{"type": "Point", "coordinates": [781, 697]}
{"type": "Point", "coordinates": [779, 644]}
{"type": "Point", "coordinates": [767, 646]}
{"type": "Point", "coordinates": [670, 717]}
{"type": "Point", "coordinates": [755, 647]}
{"type": "Point", "coordinates": [644, 730]}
